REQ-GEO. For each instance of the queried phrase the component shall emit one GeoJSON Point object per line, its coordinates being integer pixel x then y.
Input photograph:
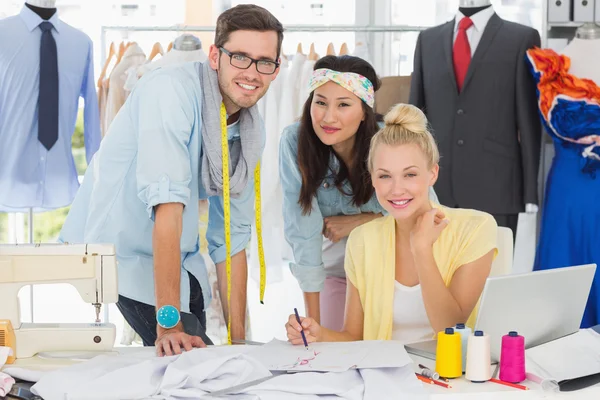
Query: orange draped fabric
{"type": "Point", "coordinates": [555, 79]}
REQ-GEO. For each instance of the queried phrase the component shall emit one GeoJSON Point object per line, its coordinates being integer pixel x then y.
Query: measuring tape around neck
{"type": "Point", "coordinates": [227, 219]}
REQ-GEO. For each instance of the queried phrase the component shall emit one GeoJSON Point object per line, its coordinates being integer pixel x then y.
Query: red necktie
{"type": "Point", "coordinates": [462, 52]}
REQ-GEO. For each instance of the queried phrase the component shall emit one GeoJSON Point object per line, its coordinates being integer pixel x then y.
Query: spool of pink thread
{"type": "Point", "coordinates": [512, 358]}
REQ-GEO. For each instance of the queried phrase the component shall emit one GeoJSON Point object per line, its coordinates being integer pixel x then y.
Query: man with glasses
{"type": "Point", "coordinates": [161, 155]}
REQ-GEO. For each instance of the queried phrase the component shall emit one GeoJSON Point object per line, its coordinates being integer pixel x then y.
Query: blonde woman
{"type": "Point", "coordinates": [422, 267]}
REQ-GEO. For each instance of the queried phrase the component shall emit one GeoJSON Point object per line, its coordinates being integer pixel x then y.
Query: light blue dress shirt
{"type": "Point", "coordinates": [304, 232]}
{"type": "Point", "coordinates": [151, 155]}
{"type": "Point", "coordinates": [30, 175]}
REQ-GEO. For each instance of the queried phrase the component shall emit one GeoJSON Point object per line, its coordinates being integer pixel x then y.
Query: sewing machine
{"type": "Point", "coordinates": [91, 269]}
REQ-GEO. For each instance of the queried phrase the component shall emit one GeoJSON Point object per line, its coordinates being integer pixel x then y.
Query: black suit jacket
{"type": "Point", "coordinates": [489, 134]}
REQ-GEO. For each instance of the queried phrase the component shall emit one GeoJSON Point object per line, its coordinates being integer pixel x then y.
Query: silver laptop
{"type": "Point", "coordinates": [541, 306]}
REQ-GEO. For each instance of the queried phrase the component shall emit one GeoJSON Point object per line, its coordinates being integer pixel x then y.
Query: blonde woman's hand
{"type": "Point", "coordinates": [427, 229]}
{"type": "Point", "coordinates": [312, 330]}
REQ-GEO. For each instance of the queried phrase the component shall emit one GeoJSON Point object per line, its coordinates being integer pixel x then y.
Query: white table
{"type": "Point", "coordinates": [461, 388]}
{"type": "Point", "coordinates": [464, 389]}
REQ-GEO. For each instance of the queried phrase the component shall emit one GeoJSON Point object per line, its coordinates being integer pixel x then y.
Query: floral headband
{"type": "Point", "coordinates": [356, 83]}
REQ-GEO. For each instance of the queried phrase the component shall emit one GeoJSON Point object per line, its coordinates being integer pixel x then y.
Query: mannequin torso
{"type": "Point", "coordinates": [44, 8]}
{"type": "Point", "coordinates": [585, 58]}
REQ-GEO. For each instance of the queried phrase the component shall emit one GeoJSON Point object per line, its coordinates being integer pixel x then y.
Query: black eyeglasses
{"type": "Point", "coordinates": [241, 61]}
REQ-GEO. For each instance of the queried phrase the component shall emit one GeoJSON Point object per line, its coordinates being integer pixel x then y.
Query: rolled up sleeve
{"type": "Point", "coordinates": [242, 215]}
{"type": "Point", "coordinates": [165, 117]}
{"type": "Point", "coordinates": [302, 232]}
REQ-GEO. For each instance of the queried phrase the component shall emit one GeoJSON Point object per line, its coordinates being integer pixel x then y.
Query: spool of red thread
{"type": "Point", "coordinates": [512, 358]}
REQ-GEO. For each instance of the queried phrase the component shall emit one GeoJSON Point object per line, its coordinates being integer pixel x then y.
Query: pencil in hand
{"type": "Point", "coordinates": [302, 329]}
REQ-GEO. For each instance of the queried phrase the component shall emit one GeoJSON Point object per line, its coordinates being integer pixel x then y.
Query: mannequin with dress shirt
{"type": "Point", "coordinates": [471, 79]}
{"type": "Point", "coordinates": [43, 58]}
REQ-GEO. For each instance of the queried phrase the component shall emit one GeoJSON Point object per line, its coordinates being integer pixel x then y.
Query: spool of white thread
{"type": "Point", "coordinates": [464, 332]}
{"type": "Point", "coordinates": [478, 358]}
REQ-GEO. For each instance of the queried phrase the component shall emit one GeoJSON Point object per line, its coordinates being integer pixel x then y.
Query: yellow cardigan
{"type": "Point", "coordinates": [370, 261]}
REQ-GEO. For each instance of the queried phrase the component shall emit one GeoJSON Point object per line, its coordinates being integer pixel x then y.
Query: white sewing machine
{"type": "Point", "coordinates": [91, 269]}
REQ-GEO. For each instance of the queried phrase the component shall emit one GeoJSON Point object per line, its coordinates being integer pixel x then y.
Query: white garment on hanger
{"type": "Point", "coordinates": [262, 104]}
{"type": "Point", "coordinates": [286, 116]}
{"type": "Point", "coordinates": [305, 74]}
{"type": "Point", "coordinates": [193, 374]}
{"type": "Point", "coordinates": [292, 86]}
{"type": "Point", "coordinates": [132, 58]}
{"type": "Point", "coordinates": [172, 57]}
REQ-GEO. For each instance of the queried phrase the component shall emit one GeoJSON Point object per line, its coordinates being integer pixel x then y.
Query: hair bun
{"type": "Point", "coordinates": [408, 117]}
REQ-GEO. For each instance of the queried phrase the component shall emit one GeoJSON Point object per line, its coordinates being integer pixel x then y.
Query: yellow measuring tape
{"type": "Point", "coordinates": [227, 219]}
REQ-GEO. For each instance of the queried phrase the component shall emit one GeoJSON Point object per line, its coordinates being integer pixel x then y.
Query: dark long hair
{"type": "Point", "coordinates": [314, 155]}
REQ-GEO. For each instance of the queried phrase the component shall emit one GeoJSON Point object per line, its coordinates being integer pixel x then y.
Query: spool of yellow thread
{"type": "Point", "coordinates": [448, 360]}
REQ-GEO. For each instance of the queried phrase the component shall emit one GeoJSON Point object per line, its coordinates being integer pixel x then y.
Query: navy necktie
{"type": "Point", "coordinates": [48, 99]}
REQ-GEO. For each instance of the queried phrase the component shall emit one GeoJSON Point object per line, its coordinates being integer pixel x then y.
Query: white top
{"type": "Point", "coordinates": [305, 74]}
{"type": "Point", "coordinates": [410, 318]}
{"type": "Point", "coordinates": [133, 57]}
{"type": "Point", "coordinates": [292, 86]}
{"type": "Point", "coordinates": [475, 32]}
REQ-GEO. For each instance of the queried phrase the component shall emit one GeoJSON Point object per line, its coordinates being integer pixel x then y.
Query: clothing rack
{"type": "Point", "coordinates": [287, 28]}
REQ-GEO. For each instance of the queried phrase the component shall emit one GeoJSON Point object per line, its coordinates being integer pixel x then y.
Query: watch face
{"type": "Point", "coordinates": [167, 317]}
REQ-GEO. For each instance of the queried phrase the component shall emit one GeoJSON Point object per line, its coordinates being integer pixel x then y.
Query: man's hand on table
{"type": "Point", "coordinates": [172, 341]}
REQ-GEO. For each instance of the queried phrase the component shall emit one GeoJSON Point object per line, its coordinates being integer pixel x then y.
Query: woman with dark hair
{"type": "Point", "coordinates": [327, 190]}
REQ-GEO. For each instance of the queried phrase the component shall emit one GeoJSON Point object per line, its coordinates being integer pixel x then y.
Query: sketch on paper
{"type": "Point", "coordinates": [321, 357]}
{"type": "Point", "coordinates": [278, 355]}
{"type": "Point", "coordinates": [303, 361]}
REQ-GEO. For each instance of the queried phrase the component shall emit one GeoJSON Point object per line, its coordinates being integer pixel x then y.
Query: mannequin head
{"type": "Point", "coordinates": [187, 42]}
{"type": "Point", "coordinates": [588, 31]}
{"type": "Point", "coordinates": [474, 3]}
{"type": "Point", "coordinates": [42, 3]}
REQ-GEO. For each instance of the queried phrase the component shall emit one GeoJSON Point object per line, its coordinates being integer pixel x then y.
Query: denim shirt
{"type": "Point", "coordinates": [304, 232]}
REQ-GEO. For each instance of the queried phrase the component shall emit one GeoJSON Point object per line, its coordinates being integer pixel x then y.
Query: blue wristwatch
{"type": "Point", "coordinates": [167, 317]}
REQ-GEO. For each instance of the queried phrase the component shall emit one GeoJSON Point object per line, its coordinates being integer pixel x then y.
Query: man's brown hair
{"type": "Point", "coordinates": [248, 17]}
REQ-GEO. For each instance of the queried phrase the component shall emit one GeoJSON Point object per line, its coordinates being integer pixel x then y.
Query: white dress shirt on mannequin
{"type": "Point", "coordinates": [475, 32]}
